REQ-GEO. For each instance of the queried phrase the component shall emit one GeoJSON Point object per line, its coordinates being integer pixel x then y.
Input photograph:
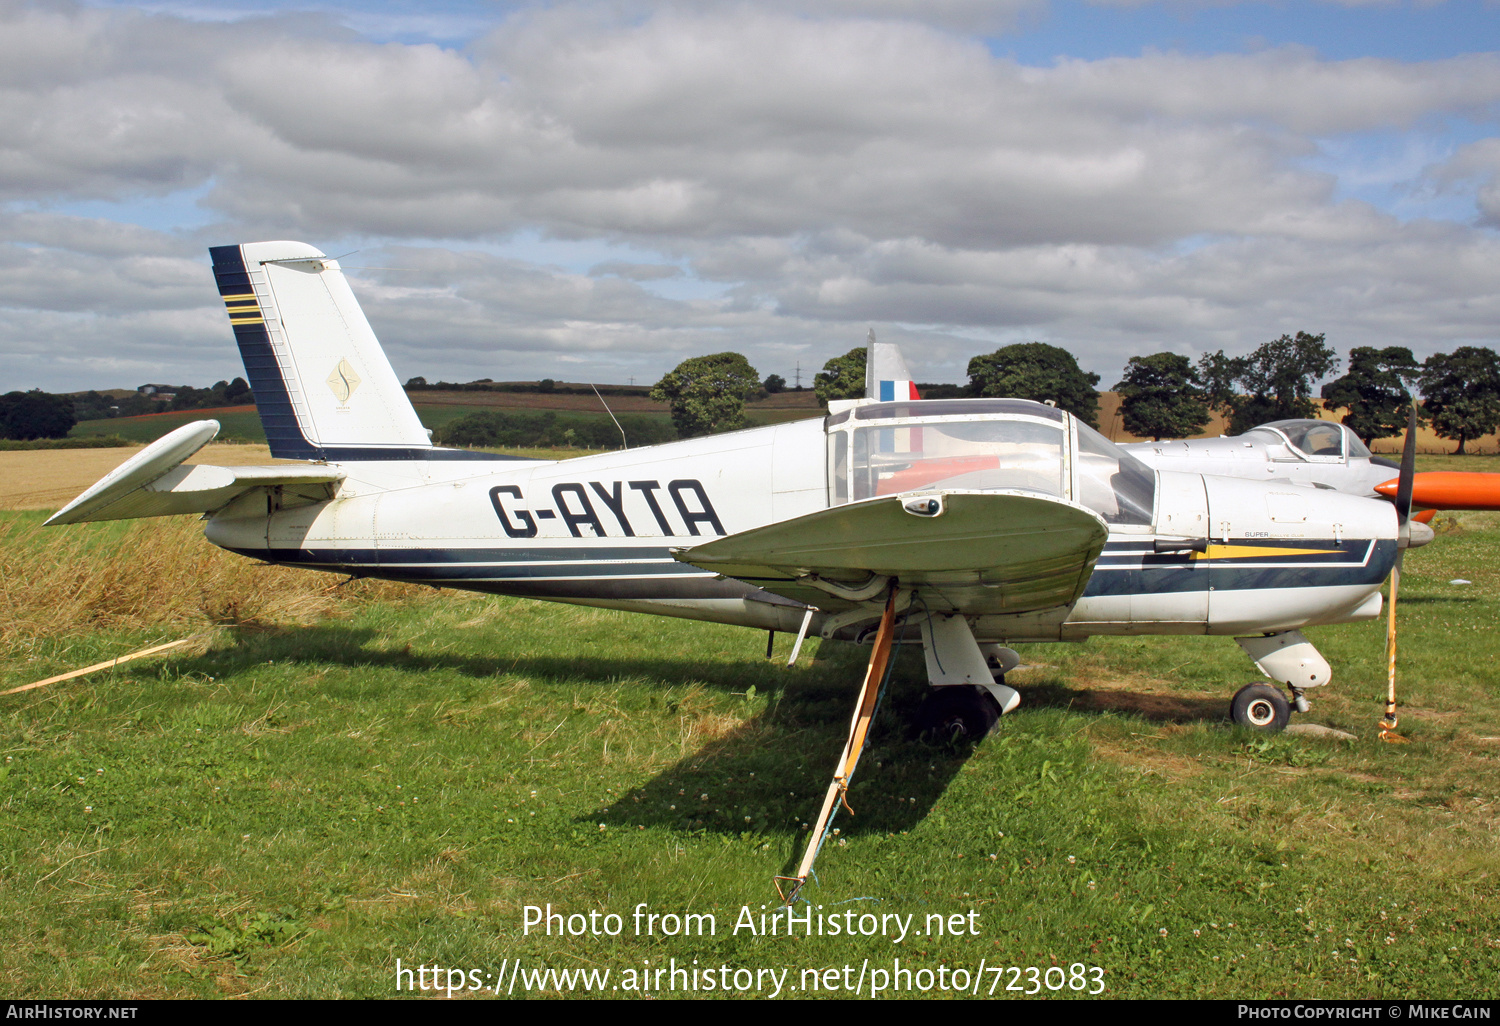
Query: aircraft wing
{"type": "Point", "coordinates": [980, 552]}
{"type": "Point", "coordinates": [154, 483]}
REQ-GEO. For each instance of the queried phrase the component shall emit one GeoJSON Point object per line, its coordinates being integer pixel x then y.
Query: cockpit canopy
{"type": "Point", "coordinates": [1322, 441]}
{"type": "Point", "coordinates": [982, 444]}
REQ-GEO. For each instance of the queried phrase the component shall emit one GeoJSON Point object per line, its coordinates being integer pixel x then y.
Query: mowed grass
{"type": "Point", "coordinates": [338, 779]}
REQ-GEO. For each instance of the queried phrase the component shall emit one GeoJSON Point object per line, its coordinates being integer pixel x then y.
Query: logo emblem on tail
{"type": "Point", "coordinates": [343, 381]}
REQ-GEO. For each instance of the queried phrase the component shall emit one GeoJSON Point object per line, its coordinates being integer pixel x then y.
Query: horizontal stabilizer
{"type": "Point", "coordinates": [1016, 551]}
{"type": "Point", "coordinates": [154, 482]}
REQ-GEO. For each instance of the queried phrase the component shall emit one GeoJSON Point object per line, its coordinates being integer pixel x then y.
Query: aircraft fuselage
{"type": "Point", "coordinates": [599, 530]}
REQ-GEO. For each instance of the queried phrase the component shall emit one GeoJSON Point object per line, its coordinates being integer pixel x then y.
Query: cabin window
{"type": "Point", "coordinates": [840, 464]}
{"type": "Point", "coordinates": [1028, 455]}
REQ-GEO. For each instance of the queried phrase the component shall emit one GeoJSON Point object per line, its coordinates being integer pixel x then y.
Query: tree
{"type": "Point", "coordinates": [1035, 370]}
{"type": "Point", "coordinates": [843, 377]}
{"type": "Point", "coordinates": [1375, 391]}
{"type": "Point", "coordinates": [707, 393]}
{"type": "Point", "coordinates": [1162, 397]}
{"type": "Point", "coordinates": [1273, 383]}
{"type": "Point", "coordinates": [1461, 393]}
{"type": "Point", "coordinates": [774, 383]}
{"type": "Point", "coordinates": [239, 391]}
{"type": "Point", "coordinates": [35, 414]}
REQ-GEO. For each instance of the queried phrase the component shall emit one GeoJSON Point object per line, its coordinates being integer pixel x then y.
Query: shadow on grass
{"type": "Point", "coordinates": [765, 778]}
{"type": "Point", "coordinates": [768, 777]}
{"type": "Point", "coordinates": [342, 645]}
{"type": "Point", "coordinates": [1148, 705]}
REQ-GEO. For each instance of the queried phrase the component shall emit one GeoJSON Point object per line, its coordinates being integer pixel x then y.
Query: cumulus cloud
{"type": "Point", "coordinates": [827, 167]}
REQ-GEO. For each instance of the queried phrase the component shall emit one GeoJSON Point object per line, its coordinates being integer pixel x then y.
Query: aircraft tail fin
{"type": "Point", "coordinates": [886, 376]}
{"type": "Point", "coordinates": [323, 385]}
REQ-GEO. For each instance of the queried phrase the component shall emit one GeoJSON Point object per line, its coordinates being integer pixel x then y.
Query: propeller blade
{"type": "Point", "coordinates": [1449, 489]}
{"type": "Point", "coordinates": [1408, 469]}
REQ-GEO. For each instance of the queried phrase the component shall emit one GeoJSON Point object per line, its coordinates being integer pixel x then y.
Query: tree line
{"type": "Point", "coordinates": [27, 416]}
{"type": "Point", "coordinates": [1163, 395]}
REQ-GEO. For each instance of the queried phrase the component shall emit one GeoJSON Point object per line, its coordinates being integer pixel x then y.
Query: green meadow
{"type": "Point", "coordinates": [332, 779]}
{"type": "Point", "coordinates": [242, 424]}
{"type": "Point", "coordinates": [236, 424]}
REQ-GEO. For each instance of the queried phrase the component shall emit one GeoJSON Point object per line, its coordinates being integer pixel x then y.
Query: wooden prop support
{"type": "Point", "coordinates": [859, 732]}
{"type": "Point", "coordinates": [1403, 514]}
{"type": "Point", "coordinates": [101, 666]}
{"type": "Point", "coordinates": [1389, 722]}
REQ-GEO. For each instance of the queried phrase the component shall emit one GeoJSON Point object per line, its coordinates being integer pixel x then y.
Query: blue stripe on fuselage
{"type": "Point", "coordinates": [1126, 568]}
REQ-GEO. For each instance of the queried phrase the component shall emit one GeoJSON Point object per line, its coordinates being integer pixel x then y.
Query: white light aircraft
{"type": "Point", "coordinates": [1319, 454]}
{"type": "Point", "coordinates": [967, 525]}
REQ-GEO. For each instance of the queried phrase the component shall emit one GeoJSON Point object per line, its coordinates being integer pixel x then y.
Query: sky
{"type": "Point", "coordinates": [595, 191]}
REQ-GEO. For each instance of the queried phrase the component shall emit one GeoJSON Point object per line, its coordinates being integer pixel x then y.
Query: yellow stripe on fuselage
{"type": "Point", "coordinates": [1258, 552]}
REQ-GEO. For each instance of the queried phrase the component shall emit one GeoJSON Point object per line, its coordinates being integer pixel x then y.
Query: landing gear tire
{"type": "Point", "coordinates": [957, 712]}
{"type": "Point", "coordinates": [1260, 707]}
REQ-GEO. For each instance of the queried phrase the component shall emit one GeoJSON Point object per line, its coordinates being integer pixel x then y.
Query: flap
{"type": "Point", "coordinates": [1017, 551]}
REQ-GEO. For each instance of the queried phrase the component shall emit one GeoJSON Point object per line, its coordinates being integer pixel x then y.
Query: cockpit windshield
{"type": "Point", "coordinates": [893, 448]}
{"type": "Point", "coordinates": [1111, 482]}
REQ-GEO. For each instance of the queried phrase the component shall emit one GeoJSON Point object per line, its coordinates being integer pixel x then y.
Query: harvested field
{"type": "Point", "coordinates": [50, 478]}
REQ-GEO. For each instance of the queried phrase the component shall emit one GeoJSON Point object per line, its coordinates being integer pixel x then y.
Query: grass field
{"type": "Point", "coordinates": [334, 778]}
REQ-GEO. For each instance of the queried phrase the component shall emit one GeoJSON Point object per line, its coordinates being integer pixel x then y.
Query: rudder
{"type": "Point", "coordinates": [323, 386]}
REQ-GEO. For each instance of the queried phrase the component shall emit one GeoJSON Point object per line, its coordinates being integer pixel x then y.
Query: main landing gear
{"type": "Point", "coordinates": [968, 691]}
{"type": "Point", "coordinates": [963, 712]}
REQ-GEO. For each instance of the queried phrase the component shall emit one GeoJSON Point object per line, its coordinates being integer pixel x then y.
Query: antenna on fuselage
{"type": "Point", "coordinates": [611, 413]}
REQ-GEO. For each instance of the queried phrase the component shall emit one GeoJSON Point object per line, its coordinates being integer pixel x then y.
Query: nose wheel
{"type": "Point", "coordinates": [1260, 707]}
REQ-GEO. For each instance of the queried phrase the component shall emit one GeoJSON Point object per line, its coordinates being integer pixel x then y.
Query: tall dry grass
{"type": "Point", "coordinates": [61, 581]}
